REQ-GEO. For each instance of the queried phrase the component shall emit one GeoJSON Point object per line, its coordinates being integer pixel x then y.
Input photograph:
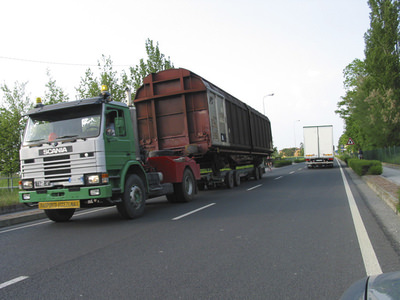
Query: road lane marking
{"type": "Point", "coordinates": [292, 172]}
{"type": "Point", "coordinates": [278, 177]}
{"type": "Point", "coordinates": [48, 221]}
{"type": "Point", "coordinates": [12, 281]}
{"type": "Point", "coordinates": [371, 262]}
{"type": "Point", "coordinates": [192, 212]}
{"type": "Point", "coordinates": [254, 187]}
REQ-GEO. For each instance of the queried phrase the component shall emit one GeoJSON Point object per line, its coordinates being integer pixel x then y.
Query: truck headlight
{"type": "Point", "coordinates": [27, 184]}
{"type": "Point", "coordinates": [95, 179]}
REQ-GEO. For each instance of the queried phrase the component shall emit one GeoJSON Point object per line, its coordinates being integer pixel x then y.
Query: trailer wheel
{"type": "Point", "coordinates": [133, 198]}
{"type": "Point", "coordinates": [185, 190]}
{"type": "Point", "coordinates": [229, 181]}
{"type": "Point", "coordinates": [256, 173]}
{"type": "Point", "coordinates": [60, 215]}
{"type": "Point", "coordinates": [236, 178]}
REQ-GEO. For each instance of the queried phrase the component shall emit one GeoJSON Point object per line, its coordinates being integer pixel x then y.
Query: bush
{"type": "Point", "coordinates": [366, 167]}
{"type": "Point", "coordinates": [300, 160]}
{"type": "Point", "coordinates": [375, 168]}
{"type": "Point", "coordinates": [345, 157]}
{"type": "Point", "coordinates": [281, 163]}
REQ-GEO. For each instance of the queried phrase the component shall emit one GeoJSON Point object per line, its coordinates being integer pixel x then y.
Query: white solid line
{"type": "Point", "coordinates": [371, 262]}
{"type": "Point", "coordinates": [278, 177]}
{"type": "Point", "coordinates": [12, 281]}
{"type": "Point", "coordinates": [254, 187]}
{"type": "Point", "coordinates": [48, 221]}
{"type": "Point", "coordinates": [192, 212]}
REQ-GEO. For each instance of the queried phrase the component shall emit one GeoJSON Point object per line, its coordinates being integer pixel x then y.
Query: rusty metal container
{"type": "Point", "coordinates": [181, 111]}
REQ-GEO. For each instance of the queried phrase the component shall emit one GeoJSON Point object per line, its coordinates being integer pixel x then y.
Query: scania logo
{"type": "Point", "coordinates": [51, 151]}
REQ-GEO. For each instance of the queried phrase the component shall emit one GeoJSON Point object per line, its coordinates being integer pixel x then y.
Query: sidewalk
{"type": "Point", "coordinates": [385, 186]}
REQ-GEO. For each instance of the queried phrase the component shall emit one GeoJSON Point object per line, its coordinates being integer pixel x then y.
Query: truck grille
{"type": "Point", "coordinates": [57, 168]}
{"type": "Point", "coordinates": [63, 170]}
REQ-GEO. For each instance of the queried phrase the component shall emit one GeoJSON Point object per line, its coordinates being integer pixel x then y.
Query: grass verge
{"type": "Point", "coordinates": [8, 197]}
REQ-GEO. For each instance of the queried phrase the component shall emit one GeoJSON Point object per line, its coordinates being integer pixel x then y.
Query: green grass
{"type": "Point", "coordinates": [8, 197]}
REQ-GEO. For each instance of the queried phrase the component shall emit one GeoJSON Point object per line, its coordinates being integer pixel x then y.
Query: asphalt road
{"type": "Point", "coordinates": [289, 235]}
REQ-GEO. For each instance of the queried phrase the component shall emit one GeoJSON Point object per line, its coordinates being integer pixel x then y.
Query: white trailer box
{"type": "Point", "coordinates": [318, 145]}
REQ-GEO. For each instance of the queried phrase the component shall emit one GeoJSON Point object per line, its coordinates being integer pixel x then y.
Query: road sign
{"type": "Point", "coordinates": [350, 142]}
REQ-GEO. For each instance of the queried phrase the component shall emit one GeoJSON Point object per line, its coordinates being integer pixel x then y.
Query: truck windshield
{"type": "Point", "coordinates": [72, 123]}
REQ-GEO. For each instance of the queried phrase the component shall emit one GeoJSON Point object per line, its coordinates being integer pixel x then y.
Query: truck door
{"type": "Point", "coordinates": [118, 144]}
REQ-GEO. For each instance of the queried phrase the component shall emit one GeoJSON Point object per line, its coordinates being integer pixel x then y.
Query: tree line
{"type": "Point", "coordinates": [371, 105]}
{"type": "Point", "coordinates": [15, 102]}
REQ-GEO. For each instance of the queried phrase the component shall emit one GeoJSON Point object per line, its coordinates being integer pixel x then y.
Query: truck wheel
{"type": "Point", "coordinates": [229, 180]}
{"type": "Point", "coordinates": [60, 215]}
{"type": "Point", "coordinates": [185, 190]}
{"type": "Point", "coordinates": [133, 198]}
{"type": "Point", "coordinates": [236, 178]}
{"type": "Point", "coordinates": [256, 173]}
{"type": "Point", "coordinates": [172, 198]}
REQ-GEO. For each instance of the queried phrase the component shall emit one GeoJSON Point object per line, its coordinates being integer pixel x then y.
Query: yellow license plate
{"type": "Point", "coordinates": [59, 204]}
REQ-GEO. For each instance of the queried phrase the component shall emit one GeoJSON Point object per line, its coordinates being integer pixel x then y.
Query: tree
{"type": "Point", "coordinates": [371, 106]}
{"type": "Point", "coordinates": [54, 94]}
{"type": "Point", "coordinates": [90, 84]}
{"type": "Point", "coordinates": [12, 123]}
{"type": "Point", "coordinates": [155, 62]}
{"type": "Point", "coordinates": [288, 152]}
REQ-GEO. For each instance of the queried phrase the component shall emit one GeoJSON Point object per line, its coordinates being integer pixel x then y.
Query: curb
{"type": "Point", "coordinates": [21, 217]}
{"type": "Point", "coordinates": [385, 195]}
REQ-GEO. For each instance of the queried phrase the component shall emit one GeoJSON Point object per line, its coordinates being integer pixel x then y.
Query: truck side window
{"type": "Point", "coordinates": [110, 125]}
{"type": "Point", "coordinates": [115, 123]}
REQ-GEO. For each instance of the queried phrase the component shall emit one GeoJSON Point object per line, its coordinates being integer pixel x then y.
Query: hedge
{"type": "Point", "coordinates": [366, 167]}
{"type": "Point", "coordinates": [281, 163]}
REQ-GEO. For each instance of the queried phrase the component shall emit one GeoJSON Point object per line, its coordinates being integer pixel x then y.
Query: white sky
{"type": "Point", "coordinates": [296, 49]}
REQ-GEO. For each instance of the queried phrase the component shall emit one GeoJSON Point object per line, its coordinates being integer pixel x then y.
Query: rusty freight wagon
{"type": "Point", "coordinates": [180, 111]}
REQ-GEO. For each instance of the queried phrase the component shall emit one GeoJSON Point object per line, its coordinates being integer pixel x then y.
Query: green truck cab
{"type": "Point", "coordinates": [85, 153]}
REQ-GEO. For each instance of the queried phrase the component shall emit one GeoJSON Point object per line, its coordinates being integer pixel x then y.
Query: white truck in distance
{"type": "Point", "coordinates": [318, 146]}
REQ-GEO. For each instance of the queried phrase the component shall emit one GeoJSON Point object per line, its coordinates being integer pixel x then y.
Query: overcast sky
{"type": "Point", "coordinates": [296, 49]}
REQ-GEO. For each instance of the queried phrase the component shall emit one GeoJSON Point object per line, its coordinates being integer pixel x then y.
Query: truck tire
{"type": "Point", "coordinates": [229, 181]}
{"type": "Point", "coordinates": [256, 173]}
{"type": "Point", "coordinates": [172, 198]}
{"type": "Point", "coordinates": [60, 215]}
{"type": "Point", "coordinates": [236, 178]}
{"type": "Point", "coordinates": [133, 198]}
{"type": "Point", "coordinates": [185, 190]}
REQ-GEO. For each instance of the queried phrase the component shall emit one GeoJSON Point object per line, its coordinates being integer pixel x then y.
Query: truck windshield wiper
{"type": "Point", "coordinates": [38, 140]}
{"type": "Point", "coordinates": [66, 136]}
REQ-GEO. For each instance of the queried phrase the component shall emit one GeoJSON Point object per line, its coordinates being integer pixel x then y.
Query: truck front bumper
{"type": "Point", "coordinates": [81, 193]}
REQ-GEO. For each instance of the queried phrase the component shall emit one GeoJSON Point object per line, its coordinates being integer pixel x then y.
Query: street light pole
{"type": "Point", "coordinates": [264, 101]}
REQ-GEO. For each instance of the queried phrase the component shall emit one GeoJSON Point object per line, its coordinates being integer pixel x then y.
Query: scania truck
{"type": "Point", "coordinates": [85, 153]}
